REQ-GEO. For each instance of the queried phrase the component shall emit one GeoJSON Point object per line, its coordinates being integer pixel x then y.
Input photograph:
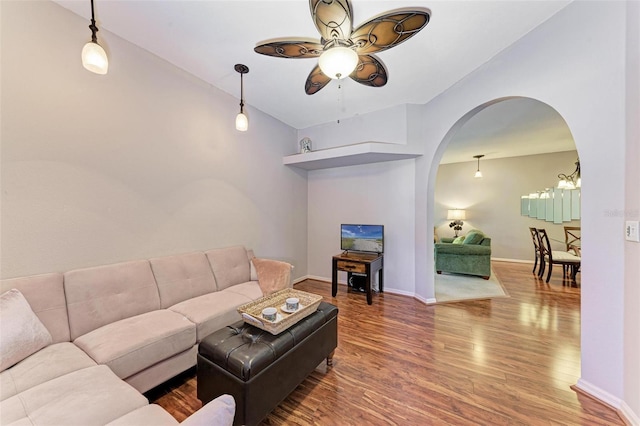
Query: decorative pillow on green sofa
{"type": "Point", "coordinates": [459, 240]}
{"type": "Point", "coordinates": [473, 238]}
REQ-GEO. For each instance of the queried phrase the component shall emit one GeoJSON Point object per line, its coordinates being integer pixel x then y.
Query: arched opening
{"type": "Point", "coordinates": [525, 144]}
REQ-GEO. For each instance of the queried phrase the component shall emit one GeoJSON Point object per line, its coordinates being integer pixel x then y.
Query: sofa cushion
{"type": "Point", "coordinates": [21, 331]}
{"type": "Point", "coordinates": [45, 294]}
{"type": "Point", "coordinates": [212, 311]}
{"type": "Point", "coordinates": [473, 238]}
{"type": "Point", "coordinates": [230, 266]}
{"type": "Point", "coordinates": [105, 294]}
{"type": "Point", "coordinates": [458, 240]}
{"type": "Point", "coordinates": [250, 289]}
{"type": "Point", "coordinates": [133, 344]}
{"type": "Point", "coordinates": [182, 277]}
{"type": "Point", "coordinates": [91, 396]}
{"type": "Point", "coordinates": [53, 361]}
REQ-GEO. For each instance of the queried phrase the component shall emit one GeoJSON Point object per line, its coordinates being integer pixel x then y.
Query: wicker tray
{"type": "Point", "coordinates": [252, 312]}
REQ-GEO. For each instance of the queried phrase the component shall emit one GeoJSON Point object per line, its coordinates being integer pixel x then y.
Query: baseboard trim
{"type": "Point", "coordinates": [624, 411]}
{"type": "Point", "coordinates": [386, 290]}
{"type": "Point", "coordinates": [504, 259]}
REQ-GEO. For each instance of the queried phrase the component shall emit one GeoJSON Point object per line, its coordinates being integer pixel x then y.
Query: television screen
{"type": "Point", "coordinates": [368, 238]}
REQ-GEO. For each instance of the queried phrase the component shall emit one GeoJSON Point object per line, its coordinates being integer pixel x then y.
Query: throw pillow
{"type": "Point", "coordinates": [21, 332]}
{"type": "Point", "coordinates": [473, 238]}
{"type": "Point", "coordinates": [273, 275]}
{"type": "Point", "coordinates": [458, 240]}
{"type": "Point", "coordinates": [254, 273]}
{"type": "Point", "coordinates": [220, 411]}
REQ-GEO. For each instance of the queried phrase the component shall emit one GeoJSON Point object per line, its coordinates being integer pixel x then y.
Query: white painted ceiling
{"type": "Point", "coordinates": [208, 37]}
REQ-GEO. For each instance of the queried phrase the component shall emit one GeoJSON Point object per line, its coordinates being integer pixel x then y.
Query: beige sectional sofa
{"type": "Point", "coordinates": [119, 330]}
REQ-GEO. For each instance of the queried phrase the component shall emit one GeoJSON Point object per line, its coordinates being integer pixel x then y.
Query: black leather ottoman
{"type": "Point", "coordinates": [259, 369]}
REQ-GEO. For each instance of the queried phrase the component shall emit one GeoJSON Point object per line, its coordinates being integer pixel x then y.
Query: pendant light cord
{"type": "Point", "coordinates": [93, 27]}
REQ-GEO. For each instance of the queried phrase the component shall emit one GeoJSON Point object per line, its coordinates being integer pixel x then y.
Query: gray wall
{"type": "Point", "coordinates": [144, 161]}
{"type": "Point", "coordinates": [492, 202]}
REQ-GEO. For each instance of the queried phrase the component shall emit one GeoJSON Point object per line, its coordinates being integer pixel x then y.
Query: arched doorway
{"type": "Point", "coordinates": [525, 144]}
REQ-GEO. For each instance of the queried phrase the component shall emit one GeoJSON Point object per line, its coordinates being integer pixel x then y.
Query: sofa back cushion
{"type": "Point", "coordinates": [230, 266]}
{"type": "Point", "coordinates": [182, 277]}
{"type": "Point", "coordinates": [105, 294]}
{"type": "Point", "coordinates": [45, 294]}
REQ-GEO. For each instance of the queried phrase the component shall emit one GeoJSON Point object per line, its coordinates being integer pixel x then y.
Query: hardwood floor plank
{"type": "Point", "coordinates": [505, 361]}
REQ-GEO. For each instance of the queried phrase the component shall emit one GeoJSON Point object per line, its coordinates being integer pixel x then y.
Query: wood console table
{"type": "Point", "coordinates": [360, 263]}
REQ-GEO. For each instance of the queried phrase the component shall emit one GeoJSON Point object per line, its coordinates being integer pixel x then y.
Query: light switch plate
{"type": "Point", "coordinates": [631, 232]}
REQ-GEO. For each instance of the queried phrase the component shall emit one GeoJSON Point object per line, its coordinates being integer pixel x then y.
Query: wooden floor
{"type": "Point", "coordinates": [399, 361]}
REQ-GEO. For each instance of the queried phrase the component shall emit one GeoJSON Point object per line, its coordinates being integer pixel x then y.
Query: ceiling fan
{"type": "Point", "coordinates": [343, 51]}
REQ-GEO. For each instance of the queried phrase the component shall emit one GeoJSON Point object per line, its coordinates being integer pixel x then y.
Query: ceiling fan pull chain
{"type": "Point", "coordinates": [339, 99]}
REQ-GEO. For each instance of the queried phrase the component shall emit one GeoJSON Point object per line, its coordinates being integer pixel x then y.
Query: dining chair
{"type": "Point", "coordinates": [536, 248]}
{"type": "Point", "coordinates": [572, 239]}
{"type": "Point", "coordinates": [556, 257]}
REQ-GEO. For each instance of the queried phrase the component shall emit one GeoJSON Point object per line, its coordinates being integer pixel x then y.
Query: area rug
{"type": "Point", "coordinates": [458, 287]}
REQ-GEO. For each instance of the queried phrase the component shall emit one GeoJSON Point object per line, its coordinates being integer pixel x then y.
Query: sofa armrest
{"type": "Point", "coordinates": [446, 240]}
{"type": "Point", "coordinates": [486, 241]}
{"type": "Point", "coordinates": [462, 249]}
{"type": "Point", "coordinates": [219, 412]}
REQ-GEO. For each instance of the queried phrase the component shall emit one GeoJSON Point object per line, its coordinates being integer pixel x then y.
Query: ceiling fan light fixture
{"type": "Point", "coordinates": [94, 58]}
{"type": "Point", "coordinates": [338, 62]}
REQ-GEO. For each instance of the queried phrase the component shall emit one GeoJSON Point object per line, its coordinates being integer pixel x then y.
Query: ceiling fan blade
{"type": "Point", "coordinates": [290, 49]}
{"type": "Point", "coordinates": [316, 81]}
{"type": "Point", "coordinates": [332, 18]}
{"type": "Point", "coordinates": [370, 71]}
{"type": "Point", "coordinates": [388, 30]}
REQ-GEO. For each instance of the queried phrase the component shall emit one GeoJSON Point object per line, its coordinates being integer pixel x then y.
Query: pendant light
{"type": "Point", "coordinates": [242, 122]}
{"type": "Point", "coordinates": [478, 172]}
{"type": "Point", "coordinates": [94, 58]}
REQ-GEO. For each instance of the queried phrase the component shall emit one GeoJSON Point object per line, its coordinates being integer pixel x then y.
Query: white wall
{"type": "Point", "coordinates": [492, 203]}
{"type": "Point", "coordinates": [580, 70]}
{"type": "Point", "coordinates": [368, 194]}
{"type": "Point", "coordinates": [142, 162]}
{"type": "Point", "coordinates": [632, 212]}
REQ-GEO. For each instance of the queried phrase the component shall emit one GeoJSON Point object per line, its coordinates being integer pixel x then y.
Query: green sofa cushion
{"type": "Point", "coordinates": [473, 238]}
{"type": "Point", "coordinates": [458, 240]}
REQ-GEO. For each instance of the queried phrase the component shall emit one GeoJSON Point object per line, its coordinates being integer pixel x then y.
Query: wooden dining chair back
{"type": "Point", "coordinates": [572, 239]}
{"type": "Point", "coordinates": [536, 248]}
{"type": "Point", "coordinates": [556, 257]}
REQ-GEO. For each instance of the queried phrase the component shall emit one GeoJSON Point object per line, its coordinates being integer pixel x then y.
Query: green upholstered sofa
{"type": "Point", "coordinates": [472, 257]}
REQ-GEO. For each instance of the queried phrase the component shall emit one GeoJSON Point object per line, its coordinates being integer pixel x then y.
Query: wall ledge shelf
{"type": "Point", "coordinates": [351, 155]}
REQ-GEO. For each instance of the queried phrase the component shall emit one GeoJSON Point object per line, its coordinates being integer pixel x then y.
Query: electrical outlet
{"type": "Point", "coordinates": [631, 231]}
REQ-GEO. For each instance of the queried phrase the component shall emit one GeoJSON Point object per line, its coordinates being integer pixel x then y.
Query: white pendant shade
{"type": "Point", "coordinates": [94, 58]}
{"type": "Point", "coordinates": [242, 122]}
{"type": "Point", "coordinates": [478, 174]}
{"type": "Point", "coordinates": [338, 62]}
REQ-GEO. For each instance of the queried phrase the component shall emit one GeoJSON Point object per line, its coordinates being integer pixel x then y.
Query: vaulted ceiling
{"type": "Point", "coordinates": [208, 37]}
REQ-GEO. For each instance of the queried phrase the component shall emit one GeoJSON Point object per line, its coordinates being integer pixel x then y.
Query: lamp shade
{"type": "Point", "coordinates": [242, 122]}
{"type": "Point", "coordinates": [94, 58]}
{"type": "Point", "coordinates": [478, 174]}
{"type": "Point", "coordinates": [456, 214]}
{"type": "Point", "coordinates": [338, 62]}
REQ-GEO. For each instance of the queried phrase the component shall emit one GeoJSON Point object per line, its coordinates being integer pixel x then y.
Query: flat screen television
{"type": "Point", "coordinates": [365, 238]}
